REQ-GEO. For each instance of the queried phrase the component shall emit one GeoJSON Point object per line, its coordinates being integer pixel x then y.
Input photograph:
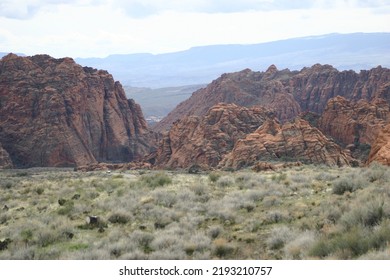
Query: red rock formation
{"type": "Point", "coordinates": [354, 122]}
{"type": "Point", "coordinates": [380, 150]}
{"type": "Point", "coordinates": [295, 140]}
{"type": "Point", "coordinates": [286, 92]}
{"type": "Point", "coordinates": [245, 88]}
{"type": "Point", "coordinates": [53, 112]}
{"type": "Point", "coordinates": [5, 160]}
{"type": "Point", "coordinates": [205, 140]}
{"type": "Point", "coordinates": [313, 87]}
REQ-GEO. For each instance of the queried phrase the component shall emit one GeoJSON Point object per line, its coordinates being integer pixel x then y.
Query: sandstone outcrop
{"type": "Point", "coordinates": [5, 160]}
{"type": "Point", "coordinates": [245, 88]}
{"type": "Point", "coordinates": [312, 87]}
{"type": "Point", "coordinates": [286, 92]}
{"type": "Point", "coordinates": [205, 140]}
{"type": "Point", "coordinates": [274, 141]}
{"type": "Point", "coordinates": [380, 150]}
{"type": "Point", "coordinates": [54, 112]}
{"type": "Point", "coordinates": [354, 122]}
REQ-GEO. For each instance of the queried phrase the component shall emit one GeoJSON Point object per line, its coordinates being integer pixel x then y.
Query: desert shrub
{"type": "Point", "coordinates": [325, 176]}
{"type": "Point", "coordinates": [46, 237]}
{"type": "Point", "coordinates": [279, 236]}
{"type": "Point", "coordinates": [222, 248]}
{"type": "Point", "coordinates": [155, 180]}
{"type": "Point", "coordinates": [4, 217]}
{"type": "Point", "coordinates": [134, 255]}
{"type": "Point", "coordinates": [369, 214]}
{"type": "Point", "coordinates": [66, 207]}
{"type": "Point", "coordinates": [376, 172]}
{"type": "Point", "coordinates": [352, 243]}
{"type": "Point", "coordinates": [214, 231]}
{"type": "Point", "coordinates": [197, 243]}
{"type": "Point", "coordinates": [253, 225]}
{"type": "Point", "coordinates": [142, 239]}
{"type": "Point", "coordinates": [376, 255]}
{"type": "Point", "coordinates": [119, 217]}
{"type": "Point", "coordinates": [298, 247]}
{"type": "Point", "coordinates": [348, 184]}
{"type": "Point", "coordinates": [21, 174]}
{"type": "Point", "coordinates": [214, 176]}
{"type": "Point", "coordinates": [165, 198]}
{"type": "Point", "coordinates": [275, 216]}
{"type": "Point", "coordinates": [225, 181]}
{"type": "Point", "coordinates": [7, 184]}
{"type": "Point", "coordinates": [279, 177]}
{"type": "Point", "coordinates": [166, 241]}
{"type": "Point", "coordinates": [39, 190]}
{"type": "Point", "coordinates": [27, 235]}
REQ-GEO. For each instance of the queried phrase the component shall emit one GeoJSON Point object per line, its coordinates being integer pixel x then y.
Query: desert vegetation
{"type": "Point", "coordinates": [302, 212]}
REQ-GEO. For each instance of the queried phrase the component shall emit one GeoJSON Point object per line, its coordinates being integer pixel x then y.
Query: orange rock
{"type": "Point", "coordinates": [245, 88]}
{"type": "Point", "coordinates": [296, 140]}
{"type": "Point", "coordinates": [380, 150]}
{"type": "Point", "coordinates": [286, 92]}
{"type": "Point", "coordinates": [54, 112]}
{"type": "Point", "coordinates": [354, 122]}
{"type": "Point", "coordinates": [205, 140]}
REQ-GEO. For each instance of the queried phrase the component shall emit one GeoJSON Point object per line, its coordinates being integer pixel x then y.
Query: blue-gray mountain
{"type": "Point", "coordinates": [200, 65]}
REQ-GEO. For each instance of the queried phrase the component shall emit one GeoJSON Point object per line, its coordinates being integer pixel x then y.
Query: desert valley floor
{"type": "Point", "coordinates": [301, 212]}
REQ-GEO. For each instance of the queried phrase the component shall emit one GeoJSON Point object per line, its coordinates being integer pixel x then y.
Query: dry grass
{"type": "Point", "coordinates": [299, 213]}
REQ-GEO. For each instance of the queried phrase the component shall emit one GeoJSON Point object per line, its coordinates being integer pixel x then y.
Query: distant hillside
{"type": "Point", "coordinates": [157, 103]}
{"type": "Point", "coordinates": [200, 65]}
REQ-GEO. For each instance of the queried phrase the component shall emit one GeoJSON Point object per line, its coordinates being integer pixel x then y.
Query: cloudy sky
{"type": "Point", "coordinates": [98, 28]}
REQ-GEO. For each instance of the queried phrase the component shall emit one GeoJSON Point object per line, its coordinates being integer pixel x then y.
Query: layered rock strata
{"type": "Point", "coordinates": [286, 92]}
{"type": "Point", "coordinates": [205, 140]}
{"type": "Point", "coordinates": [53, 112]}
{"type": "Point", "coordinates": [290, 141]}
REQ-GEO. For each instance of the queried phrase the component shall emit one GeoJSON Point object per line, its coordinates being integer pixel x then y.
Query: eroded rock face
{"type": "Point", "coordinates": [296, 140]}
{"type": "Point", "coordinates": [5, 160]}
{"type": "Point", "coordinates": [53, 112]}
{"type": "Point", "coordinates": [286, 92]}
{"type": "Point", "coordinates": [354, 122]}
{"type": "Point", "coordinates": [205, 140]}
{"type": "Point", "coordinates": [245, 88]}
{"type": "Point", "coordinates": [380, 150]}
{"type": "Point", "coordinates": [313, 87]}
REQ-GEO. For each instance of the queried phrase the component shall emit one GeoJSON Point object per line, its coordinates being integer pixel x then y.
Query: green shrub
{"type": "Point", "coordinates": [119, 218]}
{"type": "Point", "coordinates": [155, 180]}
{"type": "Point", "coordinates": [348, 184]}
{"type": "Point", "coordinates": [213, 177]}
{"type": "Point", "coordinates": [66, 208]}
{"type": "Point", "coordinates": [225, 181]}
{"type": "Point", "coordinates": [368, 214]}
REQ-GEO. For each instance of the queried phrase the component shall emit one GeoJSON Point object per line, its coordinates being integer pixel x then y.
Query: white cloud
{"type": "Point", "coordinates": [85, 30]}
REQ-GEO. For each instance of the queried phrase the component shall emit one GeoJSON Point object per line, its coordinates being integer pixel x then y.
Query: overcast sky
{"type": "Point", "coordinates": [98, 28]}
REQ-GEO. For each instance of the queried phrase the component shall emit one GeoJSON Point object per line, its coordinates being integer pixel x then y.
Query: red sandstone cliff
{"type": "Point", "coordinates": [380, 150]}
{"type": "Point", "coordinates": [286, 92]}
{"type": "Point", "coordinates": [205, 140]}
{"type": "Point", "coordinates": [296, 140]}
{"type": "Point", "coordinates": [354, 122]}
{"type": "Point", "coordinates": [245, 88]}
{"type": "Point", "coordinates": [53, 112]}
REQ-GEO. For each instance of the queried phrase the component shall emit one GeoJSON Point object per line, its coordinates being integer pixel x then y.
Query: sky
{"type": "Point", "coordinates": [98, 28]}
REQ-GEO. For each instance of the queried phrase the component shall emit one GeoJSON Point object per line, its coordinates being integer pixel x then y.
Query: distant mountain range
{"type": "Point", "coordinates": [201, 65]}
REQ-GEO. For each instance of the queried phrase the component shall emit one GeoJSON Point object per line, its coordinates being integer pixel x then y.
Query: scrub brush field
{"type": "Point", "coordinates": [302, 212]}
